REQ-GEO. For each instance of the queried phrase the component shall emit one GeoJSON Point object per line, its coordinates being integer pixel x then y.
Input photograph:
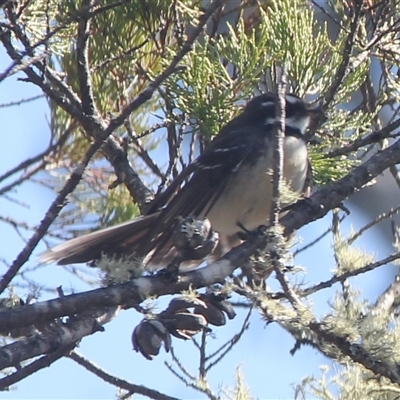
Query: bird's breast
{"type": "Point", "coordinates": [246, 198]}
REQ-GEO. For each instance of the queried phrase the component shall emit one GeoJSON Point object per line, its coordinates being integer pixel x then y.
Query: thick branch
{"type": "Point", "coordinates": [58, 335]}
{"type": "Point", "coordinates": [127, 293]}
{"type": "Point", "coordinates": [356, 352]}
{"type": "Point", "coordinates": [302, 213]}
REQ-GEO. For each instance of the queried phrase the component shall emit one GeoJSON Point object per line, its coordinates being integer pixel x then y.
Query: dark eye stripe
{"type": "Point", "coordinates": [293, 109]}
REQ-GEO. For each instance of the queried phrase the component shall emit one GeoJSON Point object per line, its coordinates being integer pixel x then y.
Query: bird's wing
{"type": "Point", "coordinates": [209, 175]}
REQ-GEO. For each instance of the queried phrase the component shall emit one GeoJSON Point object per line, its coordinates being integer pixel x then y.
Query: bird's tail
{"type": "Point", "coordinates": [127, 239]}
{"type": "Point", "coordinates": [116, 240]}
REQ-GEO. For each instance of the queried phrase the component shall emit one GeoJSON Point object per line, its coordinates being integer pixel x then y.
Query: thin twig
{"type": "Point", "coordinates": [348, 274]}
{"type": "Point", "coordinates": [17, 225]}
{"type": "Point", "coordinates": [343, 69]}
{"type": "Point", "coordinates": [82, 59]}
{"type": "Point", "coordinates": [33, 367]}
{"type": "Point", "coordinates": [125, 53]}
{"type": "Point", "coordinates": [142, 152]}
{"type": "Point", "coordinates": [180, 365]}
{"type": "Point", "coordinates": [203, 388]}
{"type": "Point", "coordinates": [228, 346]}
{"type": "Point", "coordinates": [380, 218]}
{"type": "Point", "coordinates": [57, 93]}
{"type": "Point", "coordinates": [37, 168]}
{"type": "Point", "coordinates": [22, 101]}
{"type": "Point", "coordinates": [315, 241]}
{"type": "Point", "coordinates": [51, 214]}
{"type": "Point", "coordinates": [277, 143]}
{"type": "Point", "coordinates": [118, 382]}
{"type": "Point", "coordinates": [373, 137]}
{"type": "Point", "coordinates": [21, 65]}
{"type": "Point", "coordinates": [186, 48]}
{"type": "Point", "coordinates": [41, 156]}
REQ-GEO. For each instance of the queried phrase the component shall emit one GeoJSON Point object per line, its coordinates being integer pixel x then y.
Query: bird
{"type": "Point", "coordinates": [230, 184]}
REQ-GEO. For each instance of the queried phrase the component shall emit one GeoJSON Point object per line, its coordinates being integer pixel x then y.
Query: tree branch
{"type": "Point", "coordinates": [120, 383]}
{"type": "Point", "coordinates": [132, 292]}
{"type": "Point", "coordinates": [82, 59]}
{"type": "Point", "coordinates": [148, 92]}
{"type": "Point", "coordinates": [302, 213]}
{"type": "Point", "coordinates": [317, 206]}
{"type": "Point", "coordinates": [51, 214]}
{"type": "Point", "coordinates": [355, 352]}
{"type": "Point", "coordinates": [373, 137]}
{"type": "Point", "coordinates": [346, 275]}
{"type": "Point", "coordinates": [277, 145]}
{"type": "Point", "coordinates": [343, 70]}
{"type": "Point", "coordinates": [33, 367]}
{"type": "Point", "coordinates": [57, 335]}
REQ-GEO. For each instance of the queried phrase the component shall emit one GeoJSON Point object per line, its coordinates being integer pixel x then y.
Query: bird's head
{"type": "Point", "coordinates": [262, 109]}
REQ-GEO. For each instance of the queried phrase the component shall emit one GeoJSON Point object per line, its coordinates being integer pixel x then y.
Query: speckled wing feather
{"type": "Point", "coordinates": [210, 174]}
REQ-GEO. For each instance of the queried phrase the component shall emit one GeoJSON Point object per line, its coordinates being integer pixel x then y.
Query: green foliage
{"type": "Point", "coordinates": [229, 66]}
{"type": "Point", "coordinates": [127, 44]}
{"type": "Point", "coordinates": [327, 170]}
{"type": "Point", "coordinates": [130, 43]}
{"type": "Point", "coordinates": [206, 90]}
{"type": "Point", "coordinates": [301, 44]}
{"type": "Point", "coordinates": [43, 18]}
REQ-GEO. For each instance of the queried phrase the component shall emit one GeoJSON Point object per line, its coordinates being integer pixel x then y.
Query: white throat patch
{"type": "Point", "coordinates": [300, 123]}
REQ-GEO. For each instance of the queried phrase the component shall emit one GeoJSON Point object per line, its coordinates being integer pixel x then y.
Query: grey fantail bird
{"type": "Point", "coordinates": [230, 183]}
